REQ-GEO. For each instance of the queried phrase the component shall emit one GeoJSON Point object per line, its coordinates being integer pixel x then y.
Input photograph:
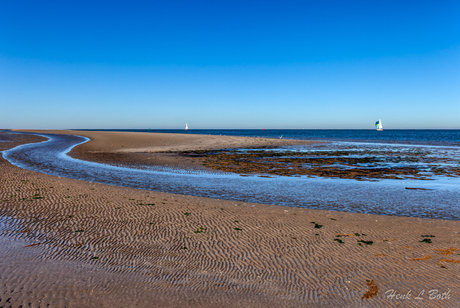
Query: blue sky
{"type": "Point", "coordinates": [229, 64]}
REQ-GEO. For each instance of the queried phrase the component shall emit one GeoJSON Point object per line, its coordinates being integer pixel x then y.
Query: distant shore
{"type": "Point", "coordinates": [99, 245]}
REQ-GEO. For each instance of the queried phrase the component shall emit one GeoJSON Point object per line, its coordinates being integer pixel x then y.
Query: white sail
{"type": "Point", "coordinates": [378, 125]}
{"type": "Point", "coordinates": [186, 126]}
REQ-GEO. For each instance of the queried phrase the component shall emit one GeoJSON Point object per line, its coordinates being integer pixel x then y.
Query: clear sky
{"type": "Point", "coordinates": [229, 64]}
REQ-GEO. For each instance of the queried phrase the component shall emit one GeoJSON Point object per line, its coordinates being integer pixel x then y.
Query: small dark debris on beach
{"type": "Point", "coordinates": [339, 240]}
{"type": "Point", "coordinates": [426, 240]}
{"type": "Point", "coordinates": [200, 230]}
{"type": "Point", "coordinates": [32, 245]}
{"type": "Point", "coordinates": [366, 242]}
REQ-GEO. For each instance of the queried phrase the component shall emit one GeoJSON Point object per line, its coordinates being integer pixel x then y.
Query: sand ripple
{"type": "Point", "coordinates": [180, 243]}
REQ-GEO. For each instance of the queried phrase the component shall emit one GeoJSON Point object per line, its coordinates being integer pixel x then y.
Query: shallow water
{"type": "Point", "coordinates": [389, 197]}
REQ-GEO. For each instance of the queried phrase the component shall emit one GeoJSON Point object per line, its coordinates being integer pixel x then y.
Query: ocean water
{"type": "Point", "coordinates": [399, 136]}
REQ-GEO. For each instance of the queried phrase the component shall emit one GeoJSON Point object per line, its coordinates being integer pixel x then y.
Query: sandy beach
{"type": "Point", "coordinates": [71, 243]}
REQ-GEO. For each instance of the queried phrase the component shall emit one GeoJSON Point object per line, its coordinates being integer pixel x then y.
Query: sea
{"type": "Point", "coordinates": [441, 137]}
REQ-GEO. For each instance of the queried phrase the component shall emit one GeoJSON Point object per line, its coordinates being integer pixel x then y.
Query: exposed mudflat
{"type": "Point", "coordinates": [336, 160]}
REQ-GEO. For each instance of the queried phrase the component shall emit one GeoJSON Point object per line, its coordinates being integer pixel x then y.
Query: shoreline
{"type": "Point", "coordinates": [253, 253]}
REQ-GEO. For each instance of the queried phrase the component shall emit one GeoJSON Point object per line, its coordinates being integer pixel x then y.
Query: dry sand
{"type": "Point", "coordinates": [136, 142]}
{"type": "Point", "coordinates": [70, 243]}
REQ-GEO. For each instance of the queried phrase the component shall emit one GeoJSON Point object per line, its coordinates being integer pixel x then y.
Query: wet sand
{"type": "Point", "coordinates": [71, 243]}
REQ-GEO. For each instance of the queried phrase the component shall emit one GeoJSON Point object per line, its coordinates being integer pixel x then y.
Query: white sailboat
{"type": "Point", "coordinates": [378, 125]}
{"type": "Point", "coordinates": [186, 126]}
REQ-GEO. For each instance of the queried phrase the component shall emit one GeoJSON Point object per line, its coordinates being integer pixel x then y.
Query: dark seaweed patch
{"type": "Point", "coordinates": [200, 230]}
{"type": "Point", "coordinates": [366, 242]}
{"type": "Point", "coordinates": [370, 165]}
